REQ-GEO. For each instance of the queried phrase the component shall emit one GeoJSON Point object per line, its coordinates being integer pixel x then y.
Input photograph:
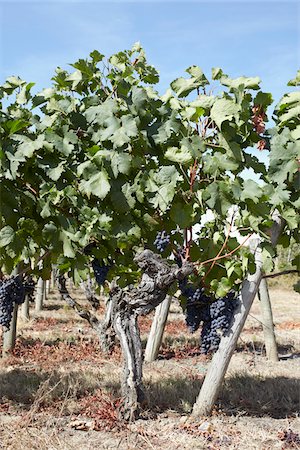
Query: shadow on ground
{"type": "Point", "coordinates": [24, 386]}
{"type": "Point", "coordinates": [277, 397]}
{"type": "Point", "coordinates": [258, 348]}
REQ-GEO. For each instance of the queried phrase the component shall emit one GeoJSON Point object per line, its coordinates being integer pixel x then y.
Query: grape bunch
{"type": "Point", "coordinates": [11, 291]}
{"type": "Point", "coordinates": [17, 290]}
{"type": "Point", "coordinates": [210, 338]}
{"type": "Point", "coordinates": [218, 322]}
{"type": "Point", "coordinates": [29, 286]}
{"type": "Point", "coordinates": [179, 255]}
{"type": "Point", "coordinates": [100, 271]}
{"type": "Point", "coordinates": [162, 240]}
{"type": "Point", "coordinates": [196, 306]}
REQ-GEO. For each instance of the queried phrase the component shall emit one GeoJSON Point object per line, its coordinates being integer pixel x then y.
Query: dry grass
{"type": "Point", "coordinates": [58, 377]}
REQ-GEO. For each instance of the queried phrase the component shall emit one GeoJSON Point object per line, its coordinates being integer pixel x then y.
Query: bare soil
{"type": "Point", "coordinates": [59, 391]}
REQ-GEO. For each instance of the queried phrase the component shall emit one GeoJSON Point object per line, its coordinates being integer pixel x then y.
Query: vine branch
{"type": "Point", "coordinates": [216, 258]}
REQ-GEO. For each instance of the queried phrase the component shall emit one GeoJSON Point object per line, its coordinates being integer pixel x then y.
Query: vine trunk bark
{"type": "Point", "coordinates": [127, 331]}
{"type": "Point", "coordinates": [123, 308]}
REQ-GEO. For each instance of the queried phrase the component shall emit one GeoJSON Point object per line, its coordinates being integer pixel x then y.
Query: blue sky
{"type": "Point", "coordinates": [243, 38]}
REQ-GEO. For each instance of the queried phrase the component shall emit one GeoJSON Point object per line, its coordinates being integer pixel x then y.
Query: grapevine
{"type": "Point", "coordinates": [102, 157]}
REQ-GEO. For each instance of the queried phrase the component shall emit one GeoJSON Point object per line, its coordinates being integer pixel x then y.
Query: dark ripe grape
{"type": "Point", "coordinates": [198, 296]}
{"type": "Point", "coordinates": [210, 339]}
{"type": "Point", "coordinates": [162, 240]}
{"type": "Point", "coordinates": [217, 322]}
{"type": "Point", "coordinates": [217, 307]}
{"type": "Point", "coordinates": [29, 286]}
{"type": "Point", "coordinates": [18, 291]}
{"type": "Point", "coordinates": [100, 271]}
{"type": "Point", "coordinates": [11, 291]}
{"type": "Point", "coordinates": [196, 306]}
{"type": "Point", "coordinates": [193, 318]}
{"type": "Point", "coordinates": [179, 255]}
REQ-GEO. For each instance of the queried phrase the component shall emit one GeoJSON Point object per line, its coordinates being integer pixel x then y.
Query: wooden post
{"type": "Point", "coordinates": [47, 288]}
{"type": "Point", "coordinates": [25, 309]}
{"type": "Point", "coordinates": [218, 366]}
{"type": "Point", "coordinates": [157, 329]}
{"type": "Point", "coordinates": [267, 321]}
{"type": "Point", "coordinates": [40, 292]}
{"type": "Point", "coordinates": [53, 276]}
{"type": "Point", "coordinates": [220, 361]}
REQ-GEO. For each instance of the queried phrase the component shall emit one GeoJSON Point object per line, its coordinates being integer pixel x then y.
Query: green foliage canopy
{"type": "Point", "coordinates": [102, 157]}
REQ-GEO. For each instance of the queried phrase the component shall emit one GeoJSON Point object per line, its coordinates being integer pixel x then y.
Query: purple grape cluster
{"type": "Point", "coordinates": [11, 292]}
{"type": "Point", "coordinates": [179, 256]}
{"type": "Point", "coordinates": [196, 306]}
{"type": "Point", "coordinates": [29, 286]}
{"type": "Point", "coordinates": [217, 323]}
{"type": "Point", "coordinates": [210, 338]}
{"type": "Point", "coordinates": [162, 240]}
{"type": "Point", "coordinates": [100, 271]}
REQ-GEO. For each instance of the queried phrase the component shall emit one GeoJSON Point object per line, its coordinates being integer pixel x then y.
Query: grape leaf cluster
{"type": "Point", "coordinates": [162, 240]}
{"type": "Point", "coordinates": [12, 292]}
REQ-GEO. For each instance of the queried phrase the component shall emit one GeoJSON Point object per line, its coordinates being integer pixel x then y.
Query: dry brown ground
{"type": "Point", "coordinates": [58, 391]}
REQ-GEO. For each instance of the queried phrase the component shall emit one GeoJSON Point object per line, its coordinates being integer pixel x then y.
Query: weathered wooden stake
{"type": "Point", "coordinates": [267, 321]}
{"type": "Point", "coordinates": [47, 287]}
{"type": "Point", "coordinates": [218, 366]}
{"type": "Point", "coordinates": [25, 309]}
{"type": "Point", "coordinates": [157, 330]}
{"type": "Point", "coordinates": [214, 378]}
{"type": "Point", "coordinates": [40, 292]}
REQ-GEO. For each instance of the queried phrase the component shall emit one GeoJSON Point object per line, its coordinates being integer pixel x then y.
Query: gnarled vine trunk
{"type": "Point", "coordinates": [124, 307]}
{"type": "Point", "coordinates": [128, 304]}
{"type": "Point", "coordinates": [127, 330]}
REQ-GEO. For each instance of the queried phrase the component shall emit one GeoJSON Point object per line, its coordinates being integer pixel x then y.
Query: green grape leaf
{"type": "Point", "coordinates": [182, 214]}
{"type": "Point", "coordinates": [184, 86]}
{"type": "Point", "coordinates": [68, 249]}
{"type": "Point", "coordinates": [7, 235]}
{"type": "Point", "coordinates": [251, 190]}
{"type": "Point", "coordinates": [295, 81]}
{"type": "Point", "coordinates": [223, 109]}
{"type": "Point", "coordinates": [76, 77]}
{"type": "Point", "coordinates": [244, 82]}
{"type": "Point", "coordinates": [97, 185]}
{"type": "Point", "coordinates": [179, 155]}
{"type": "Point", "coordinates": [120, 163]}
